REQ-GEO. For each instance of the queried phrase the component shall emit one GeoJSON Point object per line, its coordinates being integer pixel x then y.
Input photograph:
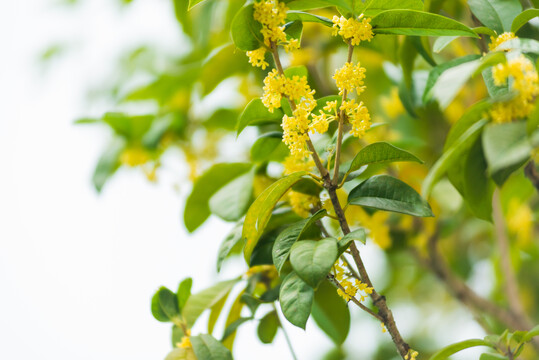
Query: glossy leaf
{"type": "Point", "coordinates": [455, 348]}
{"type": "Point", "coordinates": [306, 17]}
{"type": "Point", "coordinates": [496, 14]}
{"type": "Point", "coordinates": [317, 4]}
{"type": "Point", "coordinates": [269, 147]}
{"type": "Point", "coordinates": [312, 260]}
{"type": "Point", "coordinates": [418, 23]}
{"type": "Point", "coordinates": [259, 213]}
{"type": "Point", "coordinates": [197, 303]}
{"type": "Point", "coordinates": [232, 201]}
{"type": "Point", "coordinates": [372, 8]}
{"type": "Point", "coordinates": [296, 300]}
{"type": "Point", "coordinates": [331, 313]}
{"type": "Point", "coordinates": [256, 113]}
{"type": "Point", "coordinates": [197, 208]}
{"type": "Point", "coordinates": [267, 328]}
{"type": "Point", "coordinates": [523, 18]}
{"type": "Point", "coordinates": [387, 193]}
{"type": "Point", "coordinates": [206, 347]}
{"type": "Point", "coordinates": [245, 30]}
{"type": "Point", "coordinates": [356, 235]}
{"type": "Point", "coordinates": [287, 238]}
{"type": "Point", "coordinates": [379, 153]}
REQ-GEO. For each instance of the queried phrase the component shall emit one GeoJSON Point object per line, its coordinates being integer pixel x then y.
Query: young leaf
{"type": "Point", "coordinates": [455, 348]}
{"type": "Point", "coordinates": [496, 14]}
{"type": "Point", "coordinates": [418, 23]}
{"type": "Point", "coordinates": [260, 211]}
{"type": "Point", "coordinates": [306, 17]}
{"type": "Point", "coordinates": [197, 303]}
{"type": "Point", "coordinates": [267, 328]}
{"type": "Point", "coordinates": [358, 235]}
{"type": "Point", "coordinates": [184, 291]}
{"type": "Point", "coordinates": [390, 194]}
{"type": "Point", "coordinates": [296, 299]}
{"type": "Point", "coordinates": [331, 313]}
{"type": "Point", "coordinates": [206, 347]}
{"type": "Point", "coordinates": [197, 208]}
{"type": "Point", "coordinates": [378, 153]}
{"type": "Point", "coordinates": [245, 30]}
{"type": "Point", "coordinates": [287, 238]}
{"type": "Point", "coordinates": [256, 113]}
{"type": "Point", "coordinates": [523, 18]}
{"type": "Point", "coordinates": [531, 334]}
{"type": "Point", "coordinates": [231, 201]}
{"type": "Point", "coordinates": [312, 260]}
{"type": "Point", "coordinates": [488, 356]}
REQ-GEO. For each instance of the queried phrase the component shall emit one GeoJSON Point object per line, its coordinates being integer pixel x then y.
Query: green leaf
{"type": "Point", "coordinates": [387, 193]}
{"type": "Point", "coordinates": [356, 235]}
{"type": "Point", "coordinates": [287, 238]}
{"type": "Point", "coordinates": [300, 71]}
{"type": "Point", "coordinates": [267, 328]}
{"type": "Point", "coordinates": [231, 329]}
{"type": "Point", "coordinates": [108, 163]}
{"type": "Point", "coordinates": [418, 23]}
{"type": "Point", "coordinates": [165, 305]}
{"type": "Point", "coordinates": [181, 354]}
{"type": "Point", "coordinates": [256, 113]}
{"type": "Point", "coordinates": [441, 43]}
{"type": "Point", "coordinates": [437, 71]}
{"type": "Point", "coordinates": [194, 2]}
{"type": "Point", "coordinates": [317, 4]}
{"type": "Point", "coordinates": [269, 147]}
{"type": "Point", "coordinates": [233, 321]}
{"type": "Point", "coordinates": [496, 14]}
{"type": "Point", "coordinates": [521, 45]}
{"type": "Point", "coordinates": [523, 18]}
{"type": "Point", "coordinates": [375, 7]}
{"type": "Point", "coordinates": [495, 91]}
{"type": "Point", "coordinates": [312, 260]}
{"type": "Point", "coordinates": [232, 201]}
{"type": "Point", "coordinates": [294, 29]}
{"type": "Point", "coordinates": [379, 153]}
{"type": "Point", "coordinates": [506, 148]}
{"type": "Point", "coordinates": [184, 291]}
{"type": "Point", "coordinates": [306, 17]}
{"type": "Point", "coordinates": [177, 335]}
{"type": "Point", "coordinates": [455, 348]}
{"type": "Point", "coordinates": [197, 303]}
{"type": "Point", "coordinates": [259, 213]}
{"type": "Point", "coordinates": [206, 347]}
{"type": "Point", "coordinates": [197, 208]}
{"type": "Point", "coordinates": [487, 356]}
{"type": "Point", "coordinates": [157, 311]}
{"type": "Point", "coordinates": [228, 244]}
{"type": "Point", "coordinates": [296, 299]}
{"type": "Point", "coordinates": [531, 334]}
{"type": "Point", "coordinates": [215, 312]}
{"type": "Point", "coordinates": [245, 30]}
{"type": "Point", "coordinates": [331, 313]}
{"type": "Point", "coordinates": [451, 155]}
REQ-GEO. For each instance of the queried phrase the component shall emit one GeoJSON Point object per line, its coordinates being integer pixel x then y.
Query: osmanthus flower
{"type": "Point", "coordinates": [349, 78]}
{"type": "Point", "coordinates": [352, 286]}
{"type": "Point", "coordinates": [292, 164]}
{"type": "Point", "coordinates": [412, 355]}
{"type": "Point", "coordinates": [257, 58]}
{"type": "Point", "coordinates": [353, 30]}
{"type": "Point", "coordinates": [523, 78]}
{"type": "Point", "coordinates": [497, 41]}
{"type": "Point", "coordinates": [302, 204]}
{"type": "Point", "coordinates": [358, 116]}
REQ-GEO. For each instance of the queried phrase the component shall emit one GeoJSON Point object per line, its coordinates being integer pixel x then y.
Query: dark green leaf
{"type": "Point", "coordinates": [257, 114]}
{"type": "Point", "coordinates": [165, 305]}
{"type": "Point", "coordinates": [184, 291]}
{"type": "Point", "coordinates": [331, 313]}
{"type": "Point", "coordinates": [312, 260]}
{"type": "Point", "coordinates": [496, 14]}
{"type": "Point", "coordinates": [269, 147]}
{"type": "Point", "coordinates": [306, 17]}
{"type": "Point", "coordinates": [378, 153]}
{"type": "Point", "coordinates": [267, 328]}
{"type": "Point", "coordinates": [206, 347]}
{"type": "Point", "coordinates": [387, 193]}
{"type": "Point", "coordinates": [245, 30]}
{"type": "Point", "coordinates": [296, 299]}
{"type": "Point", "coordinates": [523, 18]}
{"type": "Point", "coordinates": [418, 23]}
{"type": "Point", "coordinates": [232, 201]}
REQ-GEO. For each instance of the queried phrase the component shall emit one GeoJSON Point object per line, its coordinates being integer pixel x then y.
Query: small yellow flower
{"type": "Point", "coordinates": [293, 164]}
{"type": "Point", "coordinates": [383, 327]}
{"type": "Point", "coordinates": [134, 156]}
{"type": "Point", "coordinates": [273, 88]}
{"type": "Point", "coordinates": [301, 203]}
{"type": "Point", "coordinates": [358, 116]}
{"type": "Point", "coordinates": [497, 41]}
{"type": "Point", "coordinates": [350, 77]}
{"type": "Point", "coordinates": [272, 15]}
{"type": "Point", "coordinates": [257, 58]}
{"type": "Point", "coordinates": [353, 30]}
{"type": "Point", "coordinates": [412, 355]}
{"type": "Point", "coordinates": [185, 343]}
{"type": "Point", "coordinates": [352, 286]}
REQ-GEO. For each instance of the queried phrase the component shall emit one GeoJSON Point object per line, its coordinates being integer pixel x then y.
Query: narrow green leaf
{"type": "Point", "coordinates": [215, 311]}
{"type": "Point", "coordinates": [390, 194]}
{"type": "Point", "coordinates": [296, 299]}
{"type": "Point", "coordinates": [267, 328]}
{"type": "Point", "coordinates": [531, 334]}
{"type": "Point", "coordinates": [287, 238]}
{"type": "Point", "coordinates": [523, 18]}
{"type": "Point", "coordinates": [197, 303]}
{"type": "Point", "coordinates": [256, 113]}
{"type": "Point", "coordinates": [197, 208]}
{"type": "Point", "coordinates": [184, 291]}
{"type": "Point", "coordinates": [455, 348]}
{"type": "Point", "coordinates": [233, 321]}
{"type": "Point", "coordinates": [306, 17]}
{"type": "Point", "coordinates": [487, 356]}
{"type": "Point", "coordinates": [312, 260]}
{"type": "Point", "coordinates": [206, 347]}
{"type": "Point", "coordinates": [245, 30]}
{"type": "Point", "coordinates": [356, 235]}
{"type": "Point", "coordinates": [331, 313]}
{"type": "Point", "coordinates": [442, 42]}
{"type": "Point", "coordinates": [259, 213]}
{"type": "Point", "coordinates": [228, 244]}
{"type": "Point", "coordinates": [232, 201]}
{"type": "Point", "coordinates": [108, 163]}
{"type": "Point", "coordinates": [418, 23]}
{"type": "Point", "coordinates": [233, 327]}
{"type": "Point", "coordinates": [379, 153]}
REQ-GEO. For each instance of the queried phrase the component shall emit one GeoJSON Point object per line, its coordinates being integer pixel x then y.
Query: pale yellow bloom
{"type": "Point", "coordinates": [358, 116]}
{"type": "Point", "coordinates": [292, 164]}
{"type": "Point", "coordinates": [256, 58]}
{"type": "Point", "coordinates": [353, 30]}
{"type": "Point", "coordinates": [412, 355]}
{"type": "Point", "coordinates": [520, 221]}
{"type": "Point", "coordinates": [349, 78]}
{"type": "Point", "coordinates": [272, 15]}
{"type": "Point", "coordinates": [302, 204]}
{"type": "Point", "coordinates": [497, 41]}
{"type": "Point", "coordinates": [352, 286]}
{"type": "Point", "coordinates": [185, 343]}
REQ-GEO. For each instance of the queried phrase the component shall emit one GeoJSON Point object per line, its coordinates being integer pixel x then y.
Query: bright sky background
{"type": "Point", "coordinates": [77, 269]}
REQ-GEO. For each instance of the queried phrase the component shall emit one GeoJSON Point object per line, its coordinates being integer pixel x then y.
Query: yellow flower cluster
{"type": "Point", "coordinates": [185, 343]}
{"type": "Point", "coordinates": [520, 221]}
{"type": "Point", "coordinates": [349, 78]}
{"type": "Point", "coordinates": [412, 355]}
{"type": "Point", "coordinates": [525, 81]}
{"type": "Point", "coordinates": [292, 164]}
{"type": "Point", "coordinates": [257, 58]}
{"type": "Point", "coordinates": [134, 156]}
{"type": "Point", "coordinates": [296, 127]}
{"type": "Point", "coordinates": [353, 30]}
{"type": "Point", "coordinates": [352, 286]}
{"type": "Point", "coordinates": [301, 203]}
{"type": "Point", "coordinates": [376, 224]}
{"type": "Point", "coordinates": [358, 116]}
{"type": "Point", "coordinates": [497, 41]}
